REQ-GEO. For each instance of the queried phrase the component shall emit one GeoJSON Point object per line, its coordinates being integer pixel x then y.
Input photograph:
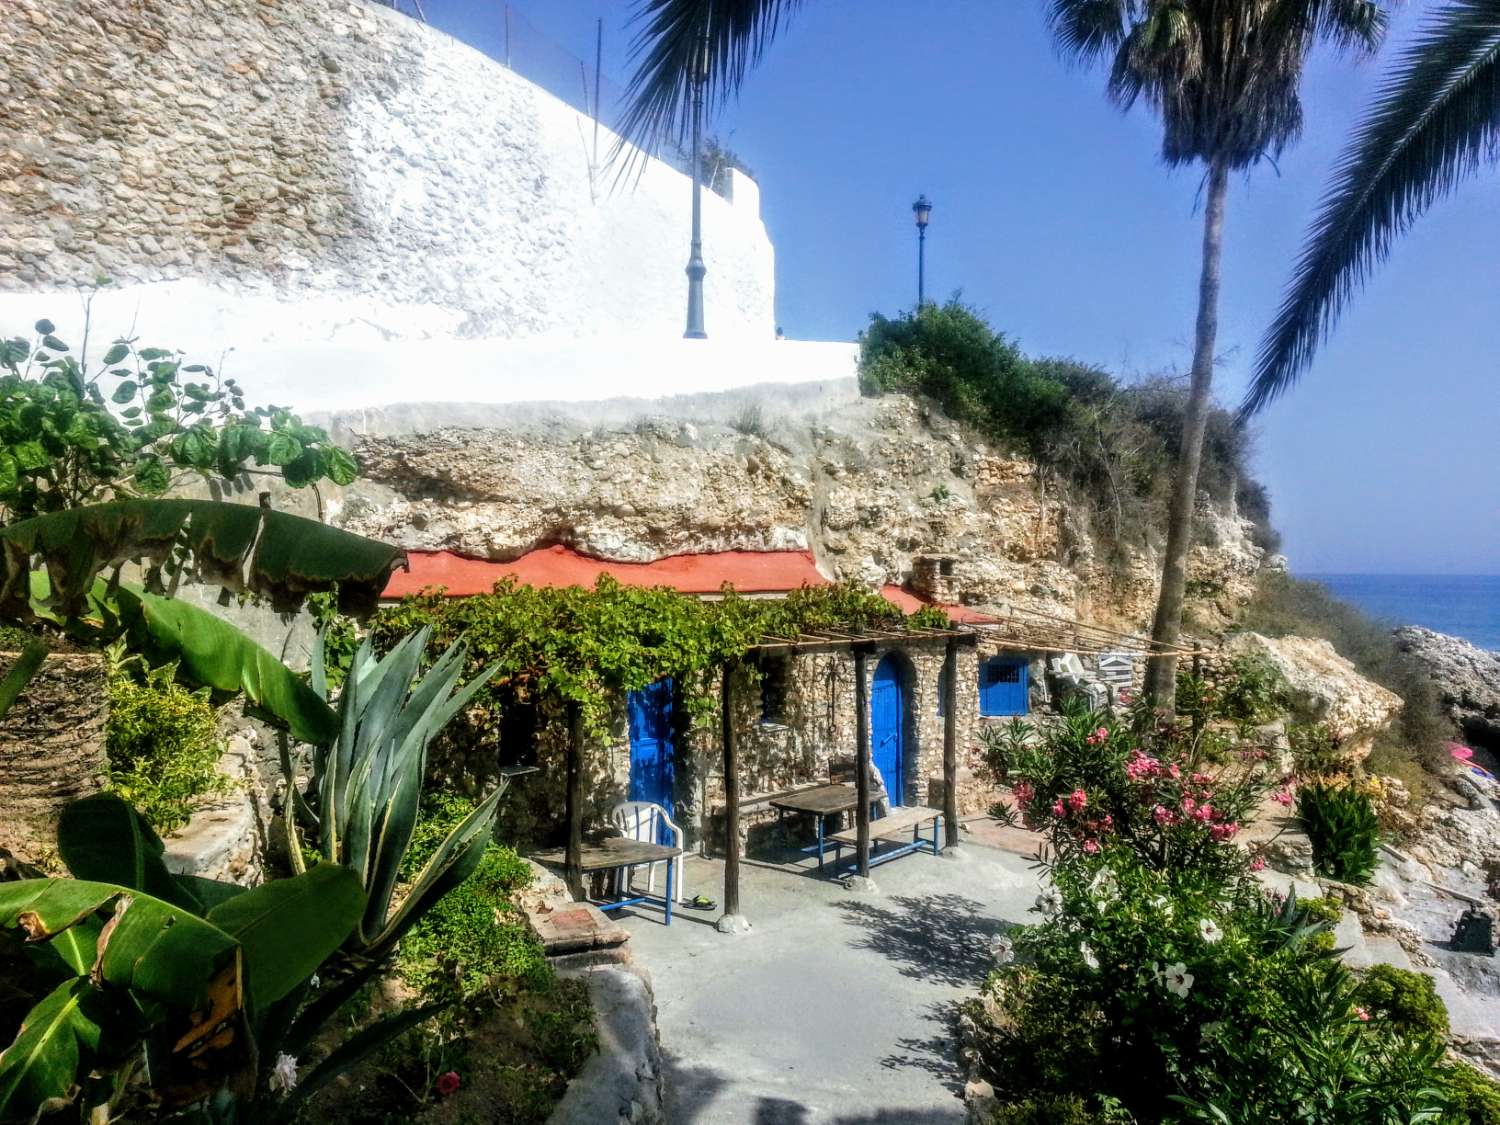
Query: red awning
{"type": "Point", "coordinates": [749, 572]}
{"type": "Point", "coordinates": [908, 603]}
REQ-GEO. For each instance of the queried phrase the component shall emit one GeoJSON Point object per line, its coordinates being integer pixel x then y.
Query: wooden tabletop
{"type": "Point", "coordinates": [612, 852]}
{"type": "Point", "coordinates": [823, 800]}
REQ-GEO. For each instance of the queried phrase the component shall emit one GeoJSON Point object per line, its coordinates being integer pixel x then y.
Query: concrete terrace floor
{"type": "Point", "coordinates": [837, 1007]}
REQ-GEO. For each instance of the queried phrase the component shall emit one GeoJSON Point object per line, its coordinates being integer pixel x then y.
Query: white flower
{"type": "Point", "coordinates": [1178, 981]}
{"type": "Point", "coordinates": [1049, 902]}
{"type": "Point", "coordinates": [1105, 887]}
{"type": "Point", "coordinates": [1004, 950]}
{"type": "Point", "coordinates": [1209, 931]}
{"type": "Point", "coordinates": [1088, 956]}
{"type": "Point", "coordinates": [313, 982]}
{"type": "Point", "coordinates": [284, 1073]}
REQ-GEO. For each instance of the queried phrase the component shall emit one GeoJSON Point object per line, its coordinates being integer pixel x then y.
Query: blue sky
{"type": "Point", "coordinates": [1054, 216]}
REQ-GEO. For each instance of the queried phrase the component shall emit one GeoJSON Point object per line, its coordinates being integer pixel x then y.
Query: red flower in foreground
{"type": "Point", "coordinates": [448, 1083]}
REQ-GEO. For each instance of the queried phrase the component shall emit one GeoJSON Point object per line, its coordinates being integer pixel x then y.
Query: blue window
{"type": "Point", "coordinates": [1003, 686]}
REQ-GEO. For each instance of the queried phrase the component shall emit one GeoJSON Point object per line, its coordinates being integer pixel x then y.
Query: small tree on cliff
{"type": "Point", "coordinates": [1224, 79]}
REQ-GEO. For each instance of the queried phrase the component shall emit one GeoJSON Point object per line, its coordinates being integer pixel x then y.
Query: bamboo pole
{"type": "Point", "coordinates": [573, 867]}
{"type": "Point", "coordinates": [950, 745]}
{"type": "Point", "coordinates": [731, 798]}
{"type": "Point", "coordinates": [862, 762]}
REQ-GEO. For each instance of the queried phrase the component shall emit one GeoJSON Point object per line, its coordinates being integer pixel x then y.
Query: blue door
{"type": "Point", "coordinates": [1003, 688]}
{"type": "Point", "coordinates": [651, 752]}
{"type": "Point", "coordinates": [888, 727]}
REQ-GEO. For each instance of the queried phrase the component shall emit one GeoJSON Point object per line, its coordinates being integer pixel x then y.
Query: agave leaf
{"type": "Point", "coordinates": [104, 839]}
{"type": "Point", "coordinates": [454, 861]}
{"type": "Point", "coordinates": [56, 1038]}
{"type": "Point", "coordinates": [244, 548]}
{"type": "Point", "coordinates": [289, 927]}
{"type": "Point", "coordinates": [214, 653]}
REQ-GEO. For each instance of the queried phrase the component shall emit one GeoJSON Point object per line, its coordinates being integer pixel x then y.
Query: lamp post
{"type": "Point", "coordinates": [695, 267]}
{"type": "Point", "coordinates": [922, 210]}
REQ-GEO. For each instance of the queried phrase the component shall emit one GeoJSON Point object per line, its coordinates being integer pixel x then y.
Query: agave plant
{"type": "Point", "coordinates": [361, 801]}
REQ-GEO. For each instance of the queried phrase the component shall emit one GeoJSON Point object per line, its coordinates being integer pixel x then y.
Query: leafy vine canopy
{"type": "Point", "coordinates": [587, 646]}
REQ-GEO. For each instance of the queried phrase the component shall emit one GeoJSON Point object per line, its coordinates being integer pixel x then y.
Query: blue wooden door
{"type": "Point", "coordinates": [651, 751]}
{"type": "Point", "coordinates": [1003, 687]}
{"type": "Point", "coordinates": [888, 727]}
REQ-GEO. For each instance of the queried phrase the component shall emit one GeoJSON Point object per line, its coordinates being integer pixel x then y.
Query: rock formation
{"type": "Point", "coordinates": [1467, 678]}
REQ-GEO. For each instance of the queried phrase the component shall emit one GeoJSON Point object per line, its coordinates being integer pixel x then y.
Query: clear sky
{"type": "Point", "coordinates": [1054, 216]}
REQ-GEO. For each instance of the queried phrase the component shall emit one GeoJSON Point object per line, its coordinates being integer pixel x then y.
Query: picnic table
{"type": "Point", "coordinates": [615, 854]}
{"type": "Point", "coordinates": [822, 802]}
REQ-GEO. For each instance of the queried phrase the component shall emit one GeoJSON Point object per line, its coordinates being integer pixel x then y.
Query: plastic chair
{"type": "Point", "coordinates": [644, 821]}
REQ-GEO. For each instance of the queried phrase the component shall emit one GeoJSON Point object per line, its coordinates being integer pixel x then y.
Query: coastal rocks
{"type": "Point", "coordinates": [1467, 678]}
{"type": "Point", "coordinates": [1326, 688]}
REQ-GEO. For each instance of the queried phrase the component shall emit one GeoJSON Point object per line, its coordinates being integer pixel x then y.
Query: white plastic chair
{"type": "Point", "coordinates": [641, 820]}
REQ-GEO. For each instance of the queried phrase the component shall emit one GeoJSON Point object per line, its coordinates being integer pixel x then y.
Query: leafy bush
{"type": "Point", "coordinates": [1474, 1097]}
{"type": "Point", "coordinates": [473, 934]}
{"type": "Point", "coordinates": [70, 435]}
{"type": "Point", "coordinates": [1408, 999]}
{"type": "Point", "coordinates": [1114, 446]}
{"type": "Point", "coordinates": [1254, 692]}
{"type": "Point", "coordinates": [1343, 829]}
{"type": "Point", "coordinates": [162, 741]}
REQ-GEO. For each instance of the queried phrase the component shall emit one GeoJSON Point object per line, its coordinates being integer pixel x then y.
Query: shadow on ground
{"type": "Point", "coordinates": [693, 1091]}
{"type": "Point", "coordinates": [944, 938]}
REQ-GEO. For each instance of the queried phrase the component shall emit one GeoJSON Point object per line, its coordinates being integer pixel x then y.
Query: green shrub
{"type": "Point", "coordinates": [162, 743]}
{"type": "Point", "coordinates": [1342, 827]}
{"type": "Point", "coordinates": [1408, 999]}
{"type": "Point", "coordinates": [1064, 1109]}
{"type": "Point", "coordinates": [474, 937]}
{"type": "Point", "coordinates": [1253, 692]}
{"type": "Point", "coordinates": [1325, 911]}
{"type": "Point", "coordinates": [1475, 1097]}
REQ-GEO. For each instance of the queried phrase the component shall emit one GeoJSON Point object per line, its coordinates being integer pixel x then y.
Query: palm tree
{"type": "Point", "coordinates": [1434, 121]}
{"type": "Point", "coordinates": [1223, 75]}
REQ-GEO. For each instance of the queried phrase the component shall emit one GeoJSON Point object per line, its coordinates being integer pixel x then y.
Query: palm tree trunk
{"type": "Point", "coordinates": [1161, 669]}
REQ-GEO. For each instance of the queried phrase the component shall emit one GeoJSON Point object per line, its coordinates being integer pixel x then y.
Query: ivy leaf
{"type": "Point", "coordinates": [9, 478]}
{"type": "Point", "coordinates": [149, 354]}
{"type": "Point", "coordinates": [302, 470]}
{"type": "Point", "coordinates": [151, 475]}
{"type": "Point", "coordinates": [338, 465]}
{"type": "Point", "coordinates": [53, 342]}
{"type": "Point", "coordinates": [45, 327]}
{"type": "Point", "coordinates": [125, 391]}
{"type": "Point", "coordinates": [30, 455]}
{"type": "Point", "coordinates": [283, 449]}
{"type": "Point", "coordinates": [116, 353]}
{"type": "Point", "coordinates": [161, 400]}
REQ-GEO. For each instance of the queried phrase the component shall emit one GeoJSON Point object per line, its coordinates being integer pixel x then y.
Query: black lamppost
{"type": "Point", "coordinates": [695, 267]}
{"type": "Point", "coordinates": [922, 209]}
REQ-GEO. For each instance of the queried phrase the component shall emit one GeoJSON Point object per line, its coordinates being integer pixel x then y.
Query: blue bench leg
{"type": "Point", "coordinates": [671, 871]}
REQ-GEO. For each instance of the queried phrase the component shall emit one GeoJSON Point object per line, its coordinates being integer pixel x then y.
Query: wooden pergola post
{"type": "Point", "coordinates": [862, 760]}
{"type": "Point", "coordinates": [731, 922]}
{"type": "Point", "coordinates": [573, 868]}
{"type": "Point", "coordinates": [950, 744]}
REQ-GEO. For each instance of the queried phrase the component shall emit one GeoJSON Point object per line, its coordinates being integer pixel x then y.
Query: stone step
{"type": "Point", "coordinates": [1283, 883]}
{"type": "Point", "coordinates": [1349, 936]}
{"type": "Point", "coordinates": [1468, 1015]}
{"type": "Point", "coordinates": [576, 927]}
{"type": "Point", "coordinates": [1384, 950]}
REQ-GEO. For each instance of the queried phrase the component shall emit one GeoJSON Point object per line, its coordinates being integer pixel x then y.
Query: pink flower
{"type": "Point", "coordinates": [1126, 697]}
{"type": "Point", "coordinates": [1222, 832]}
{"type": "Point", "coordinates": [1099, 737]}
{"type": "Point", "coordinates": [1173, 772]}
{"type": "Point", "coordinates": [1188, 805]}
{"type": "Point", "coordinates": [1204, 813]}
{"type": "Point", "coordinates": [1258, 863]}
{"type": "Point", "coordinates": [1057, 808]}
{"type": "Point", "coordinates": [1163, 815]}
{"type": "Point", "coordinates": [1283, 796]}
{"type": "Point", "coordinates": [448, 1083]}
{"type": "Point", "coordinates": [1362, 1014]}
{"type": "Point", "coordinates": [1091, 847]}
{"type": "Point", "coordinates": [1023, 792]}
{"type": "Point", "coordinates": [1201, 779]}
{"type": "Point", "coordinates": [1108, 822]}
{"type": "Point", "coordinates": [1077, 800]}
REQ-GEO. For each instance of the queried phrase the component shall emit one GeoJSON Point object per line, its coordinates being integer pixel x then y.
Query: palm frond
{"type": "Point", "coordinates": [1088, 30]}
{"type": "Point", "coordinates": [726, 37]}
{"type": "Point", "coordinates": [1435, 120]}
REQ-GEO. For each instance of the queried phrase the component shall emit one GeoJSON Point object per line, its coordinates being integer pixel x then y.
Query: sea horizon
{"type": "Point", "coordinates": [1461, 605]}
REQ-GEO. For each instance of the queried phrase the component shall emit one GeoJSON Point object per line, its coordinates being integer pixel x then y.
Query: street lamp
{"type": "Point", "coordinates": [922, 209]}
{"type": "Point", "coordinates": [695, 267]}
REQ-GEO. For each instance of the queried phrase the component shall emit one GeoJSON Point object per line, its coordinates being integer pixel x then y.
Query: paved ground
{"type": "Point", "coordinates": [837, 1008]}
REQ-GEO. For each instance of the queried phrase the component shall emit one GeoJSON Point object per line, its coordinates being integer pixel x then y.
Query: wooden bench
{"type": "Point", "coordinates": [901, 825]}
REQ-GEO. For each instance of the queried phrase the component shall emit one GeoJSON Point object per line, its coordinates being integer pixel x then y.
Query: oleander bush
{"type": "Point", "coordinates": [1343, 829]}
{"type": "Point", "coordinates": [162, 741]}
{"type": "Point", "coordinates": [1406, 998]}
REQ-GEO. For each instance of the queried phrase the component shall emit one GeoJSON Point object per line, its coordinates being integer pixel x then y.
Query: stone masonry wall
{"type": "Point", "coordinates": [330, 170]}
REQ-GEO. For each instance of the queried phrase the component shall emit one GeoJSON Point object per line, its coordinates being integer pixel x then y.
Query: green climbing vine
{"type": "Point", "coordinates": [587, 646]}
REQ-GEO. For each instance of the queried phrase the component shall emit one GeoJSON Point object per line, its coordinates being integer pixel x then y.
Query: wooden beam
{"type": "Point", "coordinates": [731, 796]}
{"type": "Point", "coordinates": [573, 868]}
{"type": "Point", "coordinates": [950, 745]}
{"type": "Point", "coordinates": [862, 762]}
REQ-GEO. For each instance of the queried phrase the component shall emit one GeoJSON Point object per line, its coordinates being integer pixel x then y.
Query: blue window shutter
{"type": "Point", "coordinates": [1003, 687]}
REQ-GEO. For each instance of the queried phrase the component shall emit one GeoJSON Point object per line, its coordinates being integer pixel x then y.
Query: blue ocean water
{"type": "Point", "coordinates": [1464, 605]}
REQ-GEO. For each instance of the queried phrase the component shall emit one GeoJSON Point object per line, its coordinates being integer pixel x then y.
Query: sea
{"type": "Point", "coordinates": [1463, 605]}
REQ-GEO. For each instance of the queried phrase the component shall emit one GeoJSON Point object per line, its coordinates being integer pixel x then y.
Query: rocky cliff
{"type": "Point", "coordinates": [1467, 678]}
{"type": "Point", "coordinates": [867, 484]}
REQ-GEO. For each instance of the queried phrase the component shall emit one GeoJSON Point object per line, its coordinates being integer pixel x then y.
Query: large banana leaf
{"type": "Point", "coordinates": [105, 840]}
{"type": "Point", "coordinates": [57, 1035]}
{"type": "Point", "coordinates": [289, 927]}
{"type": "Point", "coordinates": [212, 652]}
{"type": "Point", "coordinates": [243, 548]}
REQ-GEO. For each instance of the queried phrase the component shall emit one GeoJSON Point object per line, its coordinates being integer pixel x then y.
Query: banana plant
{"type": "Point", "coordinates": [364, 792]}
